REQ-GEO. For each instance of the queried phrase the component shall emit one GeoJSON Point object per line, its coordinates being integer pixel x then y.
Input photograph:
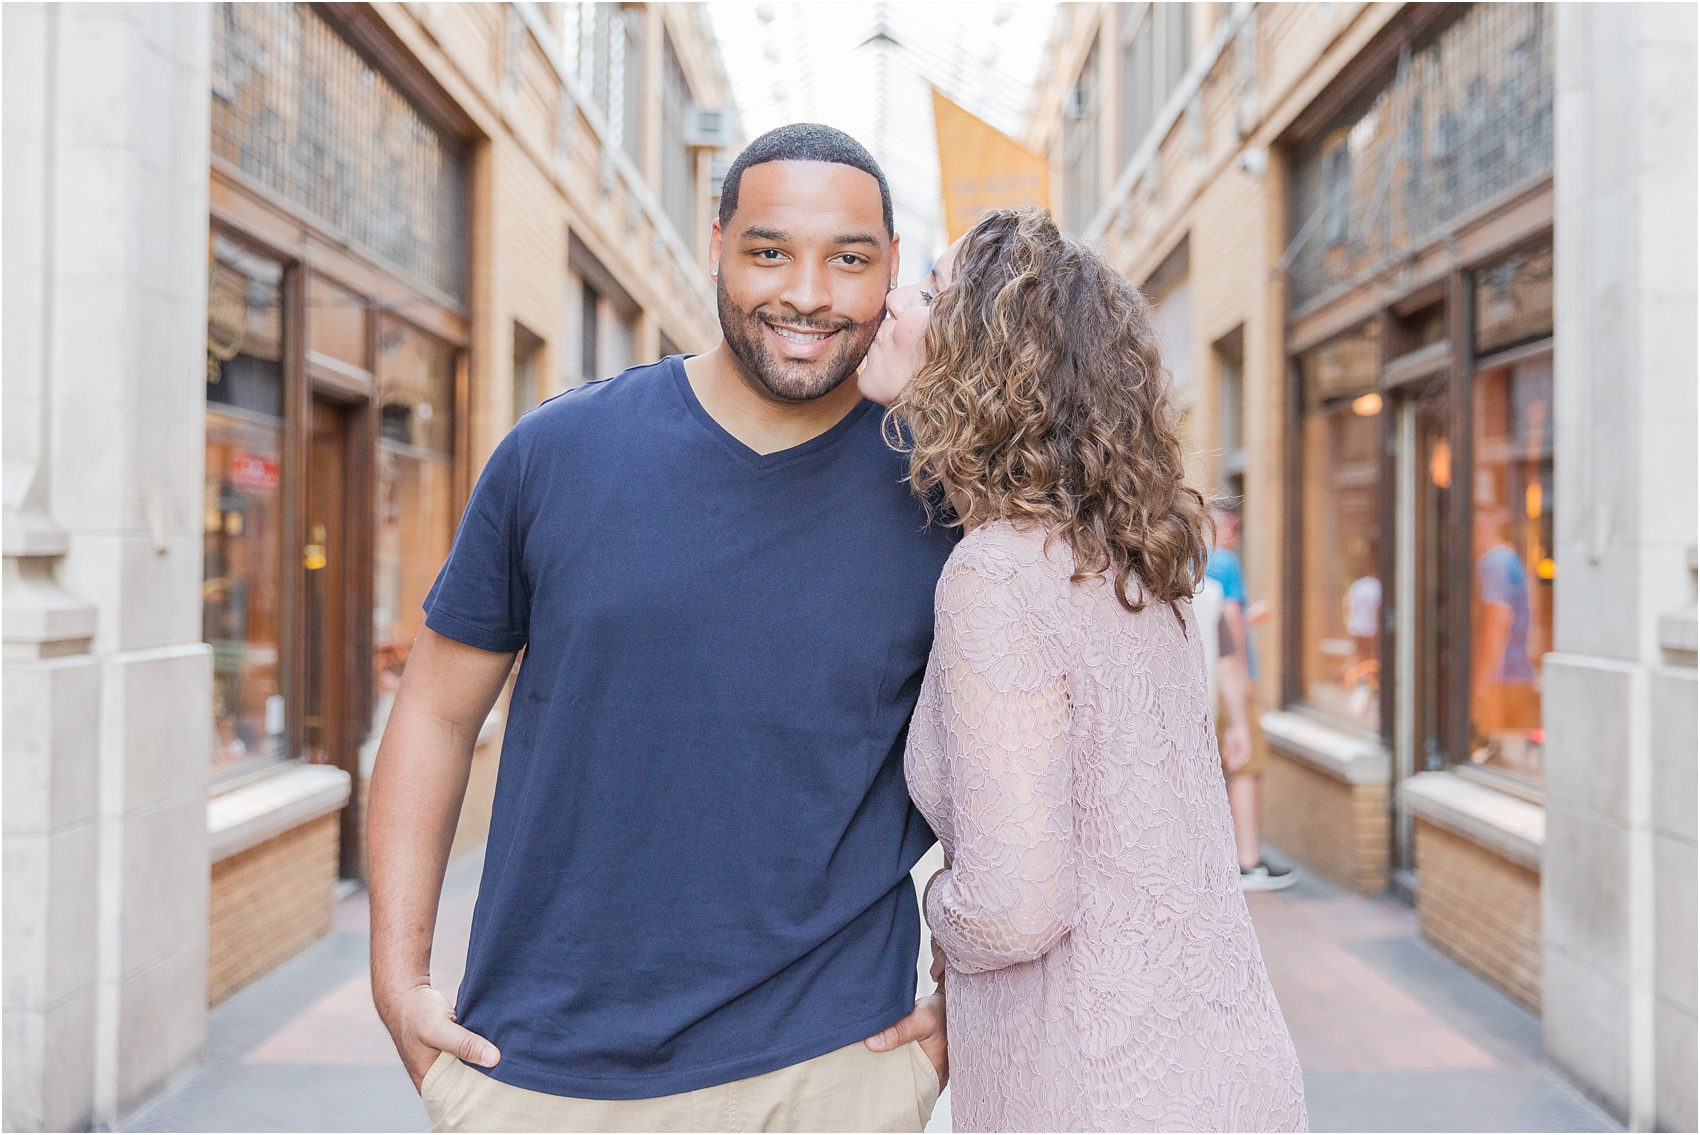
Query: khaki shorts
{"type": "Point", "coordinates": [1259, 747]}
{"type": "Point", "coordinates": [852, 1089]}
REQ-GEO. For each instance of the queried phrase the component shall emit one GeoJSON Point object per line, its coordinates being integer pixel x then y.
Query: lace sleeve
{"type": "Point", "coordinates": [1009, 894]}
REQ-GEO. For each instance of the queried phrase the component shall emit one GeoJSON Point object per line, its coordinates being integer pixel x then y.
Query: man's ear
{"type": "Point", "coordinates": [895, 258]}
{"type": "Point", "coordinates": [714, 248]}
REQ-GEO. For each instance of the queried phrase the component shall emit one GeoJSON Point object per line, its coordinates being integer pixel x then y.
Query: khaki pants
{"type": "Point", "coordinates": [852, 1089]}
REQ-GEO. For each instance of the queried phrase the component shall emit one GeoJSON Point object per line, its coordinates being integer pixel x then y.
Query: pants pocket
{"type": "Point", "coordinates": [429, 1089]}
{"type": "Point", "coordinates": [927, 1086]}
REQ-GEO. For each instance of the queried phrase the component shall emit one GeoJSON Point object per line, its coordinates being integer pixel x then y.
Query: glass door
{"type": "Point", "coordinates": [1423, 472]}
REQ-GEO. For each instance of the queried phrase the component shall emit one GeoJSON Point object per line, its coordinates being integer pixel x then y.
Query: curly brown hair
{"type": "Point", "coordinates": [1042, 400]}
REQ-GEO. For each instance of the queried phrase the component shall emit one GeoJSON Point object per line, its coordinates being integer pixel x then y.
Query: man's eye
{"type": "Point", "coordinates": [770, 254]}
{"type": "Point", "coordinates": [852, 260]}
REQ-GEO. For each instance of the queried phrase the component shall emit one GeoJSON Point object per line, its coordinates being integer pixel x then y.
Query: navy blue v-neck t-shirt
{"type": "Point", "coordinates": [698, 863]}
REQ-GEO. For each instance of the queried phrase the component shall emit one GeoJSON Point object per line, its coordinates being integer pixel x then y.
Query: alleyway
{"type": "Point", "coordinates": [1392, 1036]}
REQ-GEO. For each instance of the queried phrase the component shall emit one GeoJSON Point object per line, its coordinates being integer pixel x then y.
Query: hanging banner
{"type": "Point", "coordinates": [982, 168]}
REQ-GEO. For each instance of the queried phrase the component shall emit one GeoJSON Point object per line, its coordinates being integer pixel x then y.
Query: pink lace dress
{"type": "Point", "coordinates": [1103, 973]}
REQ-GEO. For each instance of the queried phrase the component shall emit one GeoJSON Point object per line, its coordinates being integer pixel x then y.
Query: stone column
{"type": "Point", "coordinates": [1619, 885]}
{"type": "Point", "coordinates": [52, 683]}
{"type": "Point", "coordinates": [108, 685]}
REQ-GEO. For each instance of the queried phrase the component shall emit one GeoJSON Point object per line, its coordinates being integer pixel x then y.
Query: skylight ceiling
{"type": "Point", "coordinates": [868, 70]}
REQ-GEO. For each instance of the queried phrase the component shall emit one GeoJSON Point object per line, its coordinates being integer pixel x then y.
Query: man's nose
{"type": "Point", "coordinates": [806, 288]}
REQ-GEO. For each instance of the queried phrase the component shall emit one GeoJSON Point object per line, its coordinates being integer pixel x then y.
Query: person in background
{"type": "Point", "coordinates": [1242, 763]}
{"type": "Point", "coordinates": [1505, 699]}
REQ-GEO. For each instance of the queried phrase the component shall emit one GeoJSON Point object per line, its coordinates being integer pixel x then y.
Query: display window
{"type": "Point", "coordinates": [242, 524]}
{"type": "Point", "coordinates": [1512, 568]}
{"type": "Point", "coordinates": [415, 492]}
{"type": "Point", "coordinates": [1340, 545]}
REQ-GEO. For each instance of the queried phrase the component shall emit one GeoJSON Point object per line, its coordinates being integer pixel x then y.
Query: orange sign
{"type": "Point", "coordinates": [981, 168]}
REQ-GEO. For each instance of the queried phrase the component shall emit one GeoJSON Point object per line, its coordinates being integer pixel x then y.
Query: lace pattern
{"type": "Point", "coordinates": [1103, 972]}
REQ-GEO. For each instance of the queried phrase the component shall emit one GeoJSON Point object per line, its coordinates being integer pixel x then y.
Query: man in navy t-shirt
{"type": "Point", "coordinates": [696, 905]}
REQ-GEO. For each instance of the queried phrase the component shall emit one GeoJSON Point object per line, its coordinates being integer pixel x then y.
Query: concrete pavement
{"type": "Point", "coordinates": [1392, 1036]}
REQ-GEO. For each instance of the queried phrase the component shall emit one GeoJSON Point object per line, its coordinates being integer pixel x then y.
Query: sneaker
{"type": "Point", "coordinates": [1263, 877]}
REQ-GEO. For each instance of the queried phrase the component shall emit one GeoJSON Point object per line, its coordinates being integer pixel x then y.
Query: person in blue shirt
{"type": "Point", "coordinates": [1243, 768]}
{"type": "Point", "coordinates": [696, 910]}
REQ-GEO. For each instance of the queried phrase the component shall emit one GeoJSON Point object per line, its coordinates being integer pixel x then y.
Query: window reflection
{"type": "Point", "coordinates": [1514, 300]}
{"type": "Point", "coordinates": [1511, 608]}
{"type": "Point", "coordinates": [242, 546]}
{"type": "Point", "coordinates": [416, 381]}
{"type": "Point", "coordinates": [1341, 600]}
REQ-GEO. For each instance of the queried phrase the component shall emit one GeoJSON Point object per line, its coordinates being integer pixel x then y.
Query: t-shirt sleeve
{"type": "Point", "coordinates": [481, 597]}
{"type": "Point", "coordinates": [1224, 567]}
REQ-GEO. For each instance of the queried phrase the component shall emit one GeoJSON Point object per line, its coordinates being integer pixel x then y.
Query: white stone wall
{"type": "Point", "coordinates": [1619, 883]}
{"type": "Point", "coordinates": [107, 684]}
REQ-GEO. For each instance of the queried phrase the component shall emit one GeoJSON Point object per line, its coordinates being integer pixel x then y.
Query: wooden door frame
{"type": "Point", "coordinates": [354, 650]}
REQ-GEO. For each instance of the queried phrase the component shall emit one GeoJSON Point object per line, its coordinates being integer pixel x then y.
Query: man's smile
{"type": "Point", "coordinates": [801, 342]}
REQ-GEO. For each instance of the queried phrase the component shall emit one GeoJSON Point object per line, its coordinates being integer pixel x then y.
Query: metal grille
{"type": "Point", "coordinates": [298, 110]}
{"type": "Point", "coordinates": [1465, 119]}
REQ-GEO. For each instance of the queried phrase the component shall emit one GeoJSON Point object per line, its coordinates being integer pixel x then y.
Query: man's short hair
{"type": "Point", "coordinates": [803, 142]}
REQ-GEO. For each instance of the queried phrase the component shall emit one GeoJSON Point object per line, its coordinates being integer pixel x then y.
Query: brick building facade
{"type": "Point", "coordinates": [279, 278]}
{"type": "Point", "coordinates": [1351, 222]}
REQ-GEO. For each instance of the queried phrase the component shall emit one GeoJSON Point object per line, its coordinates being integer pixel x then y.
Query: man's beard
{"type": "Point", "coordinates": [789, 380]}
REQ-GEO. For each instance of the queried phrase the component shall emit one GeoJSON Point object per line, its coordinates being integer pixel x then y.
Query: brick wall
{"type": "Point", "coordinates": [269, 903]}
{"type": "Point", "coordinates": [1338, 830]}
{"type": "Point", "coordinates": [1482, 910]}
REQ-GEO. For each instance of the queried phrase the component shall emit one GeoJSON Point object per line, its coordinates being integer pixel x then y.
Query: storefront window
{"type": "Point", "coordinates": [1341, 588]}
{"type": "Point", "coordinates": [416, 380]}
{"type": "Point", "coordinates": [242, 580]}
{"type": "Point", "coordinates": [1512, 575]}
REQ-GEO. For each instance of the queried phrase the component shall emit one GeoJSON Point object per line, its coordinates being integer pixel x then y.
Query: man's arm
{"type": "Point", "coordinates": [418, 784]}
{"type": "Point", "coordinates": [1496, 622]}
{"type": "Point", "coordinates": [1234, 680]}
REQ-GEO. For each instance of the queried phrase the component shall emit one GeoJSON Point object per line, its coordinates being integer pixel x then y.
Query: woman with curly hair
{"type": "Point", "coordinates": [1098, 960]}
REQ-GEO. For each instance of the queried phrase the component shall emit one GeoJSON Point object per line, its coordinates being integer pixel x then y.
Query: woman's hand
{"type": "Point", "coordinates": [936, 972]}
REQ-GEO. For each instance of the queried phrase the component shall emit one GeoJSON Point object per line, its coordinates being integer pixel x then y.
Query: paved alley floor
{"type": "Point", "coordinates": [1392, 1035]}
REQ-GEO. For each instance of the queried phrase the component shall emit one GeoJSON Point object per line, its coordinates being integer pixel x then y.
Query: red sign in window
{"type": "Point", "coordinates": [252, 473]}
